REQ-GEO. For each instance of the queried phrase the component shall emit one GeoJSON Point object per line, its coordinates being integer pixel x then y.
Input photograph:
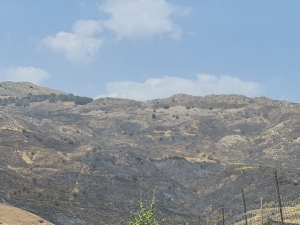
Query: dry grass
{"type": "Point", "coordinates": [291, 215]}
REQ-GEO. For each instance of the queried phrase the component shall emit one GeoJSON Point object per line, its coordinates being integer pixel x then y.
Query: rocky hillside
{"type": "Point", "coordinates": [92, 163]}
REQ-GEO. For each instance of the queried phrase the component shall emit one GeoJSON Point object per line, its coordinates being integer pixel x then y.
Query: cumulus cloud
{"type": "Point", "coordinates": [167, 86]}
{"type": "Point", "coordinates": [135, 19]}
{"type": "Point", "coordinates": [131, 19]}
{"type": "Point", "coordinates": [79, 46]}
{"type": "Point", "coordinates": [29, 74]}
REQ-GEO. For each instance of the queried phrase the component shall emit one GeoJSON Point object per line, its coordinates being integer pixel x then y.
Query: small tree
{"type": "Point", "coordinates": [146, 216]}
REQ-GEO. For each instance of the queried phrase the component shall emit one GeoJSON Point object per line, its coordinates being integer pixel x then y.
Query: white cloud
{"type": "Point", "coordinates": [167, 86]}
{"type": "Point", "coordinates": [29, 74]}
{"type": "Point", "coordinates": [134, 19]}
{"type": "Point", "coordinates": [79, 46]}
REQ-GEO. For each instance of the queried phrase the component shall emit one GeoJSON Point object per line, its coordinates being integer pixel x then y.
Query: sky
{"type": "Point", "coordinates": [148, 49]}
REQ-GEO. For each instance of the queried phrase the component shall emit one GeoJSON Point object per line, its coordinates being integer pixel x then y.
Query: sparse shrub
{"type": "Point", "coordinates": [166, 106]}
{"type": "Point", "coordinates": [39, 138]}
{"type": "Point", "coordinates": [295, 182]}
{"type": "Point", "coordinates": [71, 142]}
{"type": "Point", "coordinates": [177, 117]}
{"type": "Point", "coordinates": [210, 157]}
{"type": "Point", "coordinates": [175, 157]}
{"type": "Point", "coordinates": [210, 108]}
{"type": "Point", "coordinates": [187, 107]}
{"type": "Point", "coordinates": [134, 177]}
{"type": "Point", "coordinates": [153, 116]}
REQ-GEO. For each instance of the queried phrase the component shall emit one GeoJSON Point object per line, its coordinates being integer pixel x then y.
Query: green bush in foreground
{"type": "Point", "coordinates": [146, 216]}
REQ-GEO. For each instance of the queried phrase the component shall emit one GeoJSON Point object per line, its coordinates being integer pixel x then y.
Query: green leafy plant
{"type": "Point", "coordinates": [146, 216]}
{"type": "Point", "coordinates": [268, 222]}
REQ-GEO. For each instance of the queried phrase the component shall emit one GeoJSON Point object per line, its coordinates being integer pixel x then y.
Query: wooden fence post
{"type": "Point", "coordinates": [245, 209]}
{"type": "Point", "coordinates": [261, 211]}
{"type": "Point", "coordinates": [279, 197]}
{"type": "Point", "coordinates": [223, 216]}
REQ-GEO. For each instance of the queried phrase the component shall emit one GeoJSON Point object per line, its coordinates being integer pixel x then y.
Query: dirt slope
{"type": "Point", "coordinates": [13, 216]}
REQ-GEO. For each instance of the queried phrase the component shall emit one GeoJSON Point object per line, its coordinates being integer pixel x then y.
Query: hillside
{"type": "Point", "coordinates": [88, 164]}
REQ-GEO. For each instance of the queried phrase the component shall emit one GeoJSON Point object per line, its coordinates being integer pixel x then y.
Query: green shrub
{"type": "Point", "coordinates": [166, 106]}
{"type": "Point", "coordinates": [146, 216]}
{"type": "Point", "coordinates": [268, 222]}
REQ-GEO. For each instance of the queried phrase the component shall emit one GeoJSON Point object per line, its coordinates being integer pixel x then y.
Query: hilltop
{"type": "Point", "coordinates": [89, 163]}
{"type": "Point", "coordinates": [22, 89]}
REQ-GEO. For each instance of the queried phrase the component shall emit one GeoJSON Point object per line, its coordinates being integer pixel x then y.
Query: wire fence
{"type": "Point", "coordinates": [284, 211]}
{"type": "Point", "coordinates": [271, 214]}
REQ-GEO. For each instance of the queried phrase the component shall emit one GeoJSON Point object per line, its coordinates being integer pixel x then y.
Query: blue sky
{"type": "Point", "coordinates": [146, 49]}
